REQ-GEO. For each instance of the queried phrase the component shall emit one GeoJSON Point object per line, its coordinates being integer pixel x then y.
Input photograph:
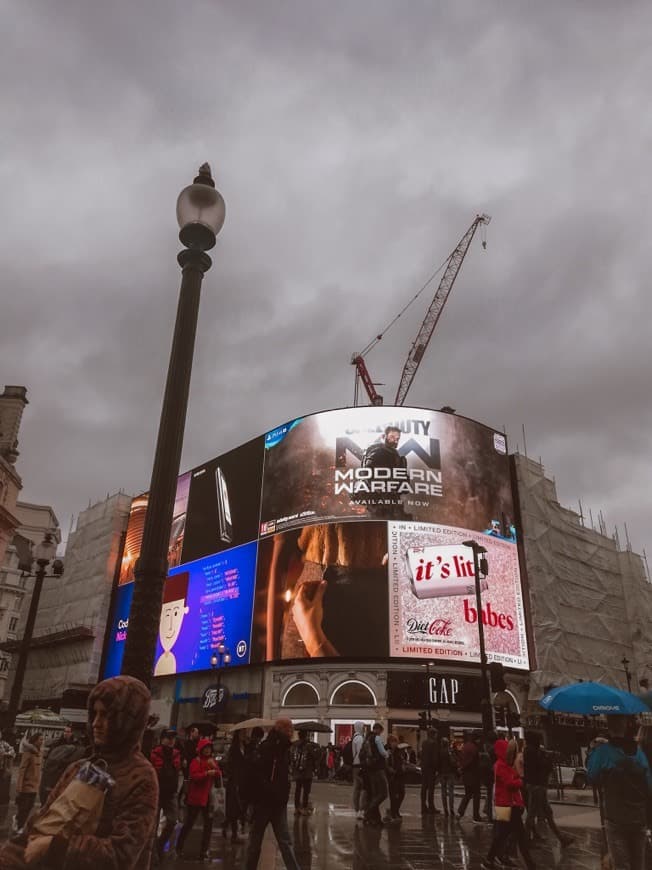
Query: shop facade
{"type": "Point", "coordinates": [405, 699]}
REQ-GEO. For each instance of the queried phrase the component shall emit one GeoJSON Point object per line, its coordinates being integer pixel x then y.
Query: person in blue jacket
{"type": "Point", "coordinates": [621, 770]}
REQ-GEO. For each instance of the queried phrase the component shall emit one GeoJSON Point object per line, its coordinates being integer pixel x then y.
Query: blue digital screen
{"type": "Point", "coordinates": [206, 603]}
{"type": "Point", "coordinates": [119, 625]}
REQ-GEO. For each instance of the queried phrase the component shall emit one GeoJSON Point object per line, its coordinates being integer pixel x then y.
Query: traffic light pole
{"type": "Point", "coordinates": [487, 711]}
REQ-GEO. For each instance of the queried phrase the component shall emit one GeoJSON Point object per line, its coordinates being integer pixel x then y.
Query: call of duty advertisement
{"type": "Point", "coordinates": [383, 463]}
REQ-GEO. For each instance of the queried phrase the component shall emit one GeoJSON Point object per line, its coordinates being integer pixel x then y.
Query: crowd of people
{"type": "Point", "coordinates": [163, 782]}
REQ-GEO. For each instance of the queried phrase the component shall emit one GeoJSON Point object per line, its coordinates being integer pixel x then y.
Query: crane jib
{"type": "Point", "coordinates": [420, 345]}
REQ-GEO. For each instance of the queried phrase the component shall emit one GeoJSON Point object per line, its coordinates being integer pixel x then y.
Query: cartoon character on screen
{"type": "Point", "coordinates": [175, 595]}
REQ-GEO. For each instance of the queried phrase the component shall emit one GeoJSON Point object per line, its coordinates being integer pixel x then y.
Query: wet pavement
{"type": "Point", "coordinates": [332, 839]}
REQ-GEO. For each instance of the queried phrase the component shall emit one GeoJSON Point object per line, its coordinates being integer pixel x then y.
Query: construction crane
{"type": "Point", "coordinates": [451, 267]}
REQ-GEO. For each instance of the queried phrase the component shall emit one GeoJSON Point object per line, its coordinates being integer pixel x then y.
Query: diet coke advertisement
{"type": "Point", "coordinates": [437, 572]}
{"type": "Point", "coordinates": [433, 609]}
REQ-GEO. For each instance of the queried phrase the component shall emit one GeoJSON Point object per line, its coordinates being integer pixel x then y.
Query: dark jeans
{"type": "Point", "coordinates": [277, 817]}
{"type": "Point", "coordinates": [169, 806]}
{"type": "Point", "coordinates": [428, 789]}
{"type": "Point", "coordinates": [447, 783]}
{"type": "Point", "coordinates": [626, 846]}
{"type": "Point", "coordinates": [502, 833]}
{"type": "Point", "coordinates": [191, 818]}
{"type": "Point", "coordinates": [360, 795]}
{"type": "Point", "coordinates": [302, 786]}
{"type": "Point", "coordinates": [396, 795]}
{"type": "Point", "coordinates": [378, 791]}
{"type": "Point", "coordinates": [24, 805]}
{"type": "Point", "coordinates": [471, 792]}
{"type": "Point", "coordinates": [538, 807]}
{"type": "Point", "coordinates": [489, 798]}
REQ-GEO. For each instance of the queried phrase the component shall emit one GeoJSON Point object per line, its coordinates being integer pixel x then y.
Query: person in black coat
{"type": "Point", "coordinates": [235, 777]}
{"type": "Point", "coordinates": [395, 778]}
{"type": "Point", "coordinates": [429, 765]}
{"type": "Point", "coordinates": [268, 786]}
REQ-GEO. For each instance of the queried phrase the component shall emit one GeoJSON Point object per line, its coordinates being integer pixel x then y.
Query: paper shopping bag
{"type": "Point", "coordinates": [77, 809]}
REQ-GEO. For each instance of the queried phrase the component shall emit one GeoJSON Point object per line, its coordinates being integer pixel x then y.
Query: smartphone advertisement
{"type": "Point", "coordinates": [224, 502]}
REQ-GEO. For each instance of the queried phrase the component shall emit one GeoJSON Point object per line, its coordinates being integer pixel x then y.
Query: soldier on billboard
{"type": "Point", "coordinates": [384, 454]}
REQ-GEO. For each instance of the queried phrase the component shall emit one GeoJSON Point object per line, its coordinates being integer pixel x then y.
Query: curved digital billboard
{"type": "Point", "coordinates": [339, 534]}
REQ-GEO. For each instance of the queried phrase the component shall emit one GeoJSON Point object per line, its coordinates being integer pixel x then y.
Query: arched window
{"type": "Point", "coordinates": [301, 695]}
{"type": "Point", "coordinates": [353, 693]}
{"type": "Point", "coordinates": [516, 707]}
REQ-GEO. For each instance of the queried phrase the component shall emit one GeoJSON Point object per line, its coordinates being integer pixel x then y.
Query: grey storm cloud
{"type": "Point", "coordinates": [353, 143]}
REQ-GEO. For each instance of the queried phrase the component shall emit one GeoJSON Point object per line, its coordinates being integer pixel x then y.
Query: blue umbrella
{"type": "Point", "coordinates": [592, 699]}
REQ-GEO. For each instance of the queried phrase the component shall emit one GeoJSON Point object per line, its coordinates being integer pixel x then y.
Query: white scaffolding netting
{"type": "Point", "coordinates": [591, 602]}
{"type": "Point", "coordinates": [73, 608]}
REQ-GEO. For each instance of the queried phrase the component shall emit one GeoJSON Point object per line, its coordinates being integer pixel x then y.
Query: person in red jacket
{"type": "Point", "coordinates": [508, 810]}
{"type": "Point", "coordinates": [202, 774]}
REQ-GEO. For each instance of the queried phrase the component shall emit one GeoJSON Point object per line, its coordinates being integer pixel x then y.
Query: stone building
{"type": "Point", "coordinates": [12, 404]}
{"type": "Point", "coordinates": [66, 650]}
{"type": "Point", "coordinates": [15, 583]}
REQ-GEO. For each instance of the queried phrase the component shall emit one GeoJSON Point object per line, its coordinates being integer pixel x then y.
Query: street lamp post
{"type": "Point", "coordinates": [44, 553]}
{"type": "Point", "coordinates": [625, 662]}
{"type": "Point", "coordinates": [200, 213]}
{"type": "Point", "coordinates": [480, 565]}
{"type": "Point", "coordinates": [221, 658]}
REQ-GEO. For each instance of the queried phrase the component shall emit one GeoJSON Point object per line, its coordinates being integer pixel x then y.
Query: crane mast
{"type": "Point", "coordinates": [424, 335]}
{"type": "Point", "coordinates": [362, 374]}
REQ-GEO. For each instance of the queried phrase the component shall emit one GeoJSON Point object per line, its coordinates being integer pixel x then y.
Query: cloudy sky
{"type": "Point", "coordinates": [353, 143]}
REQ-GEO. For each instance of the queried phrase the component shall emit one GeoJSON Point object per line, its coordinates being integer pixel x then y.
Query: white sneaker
{"type": "Point", "coordinates": [360, 816]}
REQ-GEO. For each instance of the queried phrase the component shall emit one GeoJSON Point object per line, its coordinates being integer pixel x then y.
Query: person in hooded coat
{"type": "Point", "coordinates": [117, 715]}
{"type": "Point", "coordinates": [29, 778]}
{"type": "Point", "coordinates": [508, 798]}
{"type": "Point", "coordinates": [202, 775]}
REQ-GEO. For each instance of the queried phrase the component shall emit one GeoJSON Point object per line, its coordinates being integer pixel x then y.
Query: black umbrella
{"type": "Point", "coordinates": [315, 727]}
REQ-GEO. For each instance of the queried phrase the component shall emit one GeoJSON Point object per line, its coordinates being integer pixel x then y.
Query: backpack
{"type": "Point", "coordinates": [347, 753]}
{"type": "Point", "coordinates": [303, 760]}
{"type": "Point", "coordinates": [168, 776]}
{"type": "Point", "coordinates": [625, 792]}
{"type": "Point", "coordinates": [268, 781]}
{"type": "Point", "coordinates": [486, 767]}
{"type": "Point", "coordinates": [370, 757]}
{"type": "Point", "coordinates": [58, 760]}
